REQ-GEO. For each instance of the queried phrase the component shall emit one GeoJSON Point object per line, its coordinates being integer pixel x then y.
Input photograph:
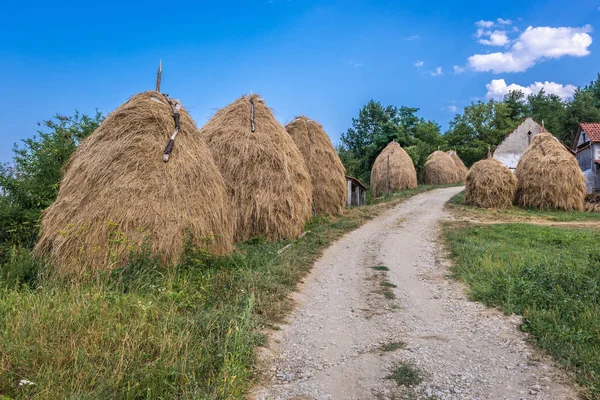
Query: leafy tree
{"type": "Point", "coordinates": [31, 182]}
{"type": "Point", "coordinates": [549, 109]}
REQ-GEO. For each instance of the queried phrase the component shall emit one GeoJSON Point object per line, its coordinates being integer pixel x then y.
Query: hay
{"type": "Point", "coordinates": [489, 184]}
{"type": "Point", "coordinates": [549, 177]}
{"type": "Point", "coordinates": [592, 202]}
{"type": "Point", "coordinates": [326, 170]}
{"type": "Point", "coordinates": [117, 192]}
{"type": "Point", "coordinates": [440, 169]}
{"type": "Point", "coordinates": [460, 165]}
{"type": "Point", "coordinates": [402, 170]}
{"type": "Point", "coordinates": [267, 180]}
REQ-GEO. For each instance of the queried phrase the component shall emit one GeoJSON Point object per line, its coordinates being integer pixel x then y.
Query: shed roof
{"type": "Point", "coordinates": [356, 181]}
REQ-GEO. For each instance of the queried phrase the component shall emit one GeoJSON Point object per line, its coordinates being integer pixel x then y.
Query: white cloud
{"type": "Point", "coordinates": [413, 37]}
{"type": "Point", "coordinates": [458, 69]}
{"type": "Point", "coordinates": [535, 45]}
{"type": "Point", "coordinates": [484, 24]}
{"type": "Point", "coordinates": [451, 109]}
{"type": "Point", "coordinates": [355, 64]}
{"type": "Point", "coordinates": [502, 21]}
{"type": "Point", "coordinates": [496, 38]}
{"type": "Point", "coordinates": [437, 72]}
{"type": "Point", "coordinates": [418, 63]}
{"type": "Point", "coordinates": [497, 88]}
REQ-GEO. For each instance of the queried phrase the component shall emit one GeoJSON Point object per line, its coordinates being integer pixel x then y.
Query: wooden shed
{"type": "Point", "coordinates": [357, 192]}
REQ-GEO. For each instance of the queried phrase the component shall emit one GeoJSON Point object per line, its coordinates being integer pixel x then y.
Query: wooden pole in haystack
{"type": "Point", "coordinates": [388, 176]}
{"type": "Point", "coordinates": [159, 76]}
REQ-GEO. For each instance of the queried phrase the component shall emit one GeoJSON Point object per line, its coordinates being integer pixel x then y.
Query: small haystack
{"type": "Point", "coordinates": [460, 165]}
{"type": "Point", "coordinates": [324, 165]}
{"type": "Point", "coordinates": [440, 169]}
{"type": "Point", "coordinates": [549, 177]}
{"type": "Point", "coordinates": [489, 184]}
{"type": "Point", "coordinates": [117, 192]}
{"type": "Point", "coordinates": [402, 174]}
{"type": "Point", "coordinates": [266, 177]}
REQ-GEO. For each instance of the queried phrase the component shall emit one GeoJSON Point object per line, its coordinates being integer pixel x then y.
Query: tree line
{"type": "Point", "coordinates": [481, 125]}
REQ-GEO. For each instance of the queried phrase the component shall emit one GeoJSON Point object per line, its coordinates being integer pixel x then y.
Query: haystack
{"type": "Point", "coordinates": [117, 192]}
{"type": "Point", "coordinates": [490, 184]}
{"type": "Point", "coordinates": [402, 174]}
{"type": "Point", "coordinates": [460, 165]}
{"type": "Point", "coordinates": [267, 181]}
{"type": "Point", "coordinates": [440, 169]}
{"type": "Point", "coordinates": [326, 170]}
{"type": "Point", "coordinates": [549, 177]}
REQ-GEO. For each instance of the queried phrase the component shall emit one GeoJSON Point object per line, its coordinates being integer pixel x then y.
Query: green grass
{"type": "Point", "coordinates": [406, 374]}
{"type": "Point", "coordinates": [146, 331]}
{"type": "Point", "coordinates": [380, 268]}
{"type": "Point", "coordinates": [515, 212]}
{"type": "Point", "coordinates": [392, 346]}
{"type": "Point", "coordinates": [387, 284]}
{"type": "Point", "coordinates": [549, 275]}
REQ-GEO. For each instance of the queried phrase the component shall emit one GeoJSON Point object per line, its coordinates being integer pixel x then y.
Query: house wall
{"type": "Point", "coordinates": [584, 158]}
{"type": "Point", "coordinates": [511, 149]}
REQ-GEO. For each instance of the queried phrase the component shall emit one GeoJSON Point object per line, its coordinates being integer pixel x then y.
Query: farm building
{"type": "Point", "coordinates": [510, 150]}
{"type": "Point", "coordinates": [587, 148]}
{"type": "Point", "coordinates": [357, 192]}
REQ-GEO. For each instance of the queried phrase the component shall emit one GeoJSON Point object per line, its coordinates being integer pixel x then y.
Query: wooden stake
{"type": "Point", "coordinates": [159, 76]}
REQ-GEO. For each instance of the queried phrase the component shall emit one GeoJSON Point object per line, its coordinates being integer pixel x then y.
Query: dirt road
{"type": "Point", "coordinates": [332, 346]}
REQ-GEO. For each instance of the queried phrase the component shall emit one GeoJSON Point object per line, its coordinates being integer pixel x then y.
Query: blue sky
{"type": "Point", "coordinates": [324, 59]}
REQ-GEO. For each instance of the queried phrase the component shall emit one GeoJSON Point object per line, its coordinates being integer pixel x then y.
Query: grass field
{"type": "Point", "coordinates": [549, 275]}
{"type": "Point", "coordinates": [520, 213]}
{"type": "Point", "coordinates": [145, 331]}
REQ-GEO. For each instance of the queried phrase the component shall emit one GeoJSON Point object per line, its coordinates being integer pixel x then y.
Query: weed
{"type": "Point", "coordinates": [406, 374]}
{"type": "Point", "coordinates": [387, 284]}
{"type": "Point", "coordinates": [392, 346]}
{"type": "Point", "coordinates": [380, 268]}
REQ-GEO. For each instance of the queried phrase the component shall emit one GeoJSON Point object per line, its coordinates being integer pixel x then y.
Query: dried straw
{"type": "Point", "coordinates": [490, 184]}
{"type": "Point", "coordinates": [549, 177]}
{"type": "Point", "coordinates": [267, 181]}
{"type": "Point", "coordinates": [324, 165]}
{"type": "Point", "coordinates": [402, 171]}
{"type": "Point", "coordinates": [460, 165]}
{"type": "Point", "coordinates": [440, 169]}
{"type": "Point", "coordinates": [117, 192]}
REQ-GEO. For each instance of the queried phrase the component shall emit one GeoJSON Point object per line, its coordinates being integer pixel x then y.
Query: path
{"type": "Point", "coordinates": [331, 347]}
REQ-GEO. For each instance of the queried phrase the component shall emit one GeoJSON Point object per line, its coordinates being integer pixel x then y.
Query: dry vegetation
{"type": "Point", "coordinates": [326, 169]}
{"type": "Point", "coordinates": [489, 184]}
{"type": "Point", "coordinates": [117, 193]}
{"type": "Point", "coordinates": [402, 174]}
{"type": "Point", "coordinates": [440, 169]}
{"type": "Point", "coordinates": [266, 177]}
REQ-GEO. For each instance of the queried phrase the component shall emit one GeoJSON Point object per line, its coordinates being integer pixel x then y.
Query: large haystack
{"type": "Point", "coordinates": [440, 169]}
{"type": "Point", "coordinates": [267, 180]}
{"type": "Point", "coordinates": [460, 165]}
{"type": "Point", "coordinates": [117, 192]}
{"type": "Point", "coordinates": [402, 174]}
{"type": "Point", "coordinates": [489, 184]}
{"type": "Point", "coordinates": [326, 170]}
{"type": "Point", "coordinates": [549, 177]}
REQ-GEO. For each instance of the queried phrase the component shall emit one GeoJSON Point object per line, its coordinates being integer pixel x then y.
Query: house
{"type": "Point", "coordinates": [587, 151]}
{"type": "Point", "coordinates": [357, 192]}
{"type": "Point", "coordinates": [510, 150]}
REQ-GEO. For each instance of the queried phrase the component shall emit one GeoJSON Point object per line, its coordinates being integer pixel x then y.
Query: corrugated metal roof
{"type": "Point", "coordinates": [592, 129]}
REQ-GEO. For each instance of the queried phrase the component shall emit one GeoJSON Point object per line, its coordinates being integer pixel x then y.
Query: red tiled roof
{"type": "Point", "coordinates": [597, 162]}
{"type": "Point", "coordinates": [592, 129]}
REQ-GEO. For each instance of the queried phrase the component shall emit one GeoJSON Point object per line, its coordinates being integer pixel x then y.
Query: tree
{"type": "Point", "coordinates": [31, 182]}
{"type": "Point", "coordinates": [550, 109]}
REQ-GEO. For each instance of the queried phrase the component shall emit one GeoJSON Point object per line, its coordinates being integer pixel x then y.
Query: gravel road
{"type": "Point", "coordinates": [331, 347]}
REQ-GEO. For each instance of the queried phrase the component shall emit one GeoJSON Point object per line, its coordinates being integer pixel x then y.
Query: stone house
{"type": "Point", "coordinates": [510, 150]}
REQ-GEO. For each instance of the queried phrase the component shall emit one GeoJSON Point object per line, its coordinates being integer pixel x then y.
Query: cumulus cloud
{"type": "Point", "coordinates": [495, 38]}
{"type": "Point", "coordinates": [484, 24]}
{"type": "Point", "coordinates": [437, 72]}
{"type": "Point", "coordinates": [497, 88]}
{"type": "Point", "coordinates": [451, 109]}
{"type": "Point", "coordinates": [535, 45]}
{"type": "Point", "coordinates": [418, 63]}
{"type": "Point", "coordinates": [503, 21]}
